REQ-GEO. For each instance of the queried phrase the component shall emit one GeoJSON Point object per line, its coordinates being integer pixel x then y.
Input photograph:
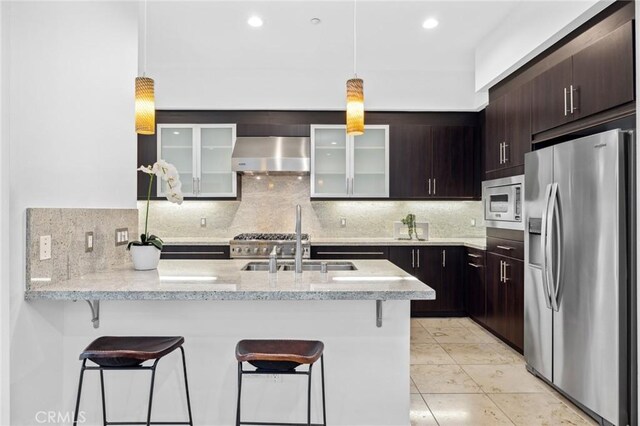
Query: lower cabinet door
{"type": "Point", "coordinates": [429, 271]}
{"type": "Point", "coordinates": [514, 310]}
{"type": "Point", "coordinates": [452, 301]}
{"type": "Point", "coordinates": [495, 318]}
{"type": "Point", "coordinates": [475, 282]}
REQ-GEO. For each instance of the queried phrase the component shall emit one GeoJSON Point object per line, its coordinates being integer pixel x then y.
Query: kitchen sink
{"type": "Point", "coordinates": [256, 266]}
{"type": "Point", "coordinates": [306, 266]}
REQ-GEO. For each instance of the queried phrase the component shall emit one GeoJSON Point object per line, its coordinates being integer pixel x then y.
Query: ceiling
{"type": "Point", "coordinates": [203, 54]}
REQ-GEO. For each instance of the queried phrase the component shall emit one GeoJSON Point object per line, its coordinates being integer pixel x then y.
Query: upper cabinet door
{"type": "Point", "coordinates": [370, 172]}
{"type": "Point", "coordinates": [176, 145]}
{"type": "Point", "coordinates": [410, 159]}
{"type": "Point", "coordinates": [216, 179]}
{"type": "Point", "coordinates": [603, 73]}
{"type": "Point", "coordinates": [551, 97]}
{"type": "Point", "coordinates": [495, 134]}
{"type": "Point", "coordinates": [454, 150]}
{"type": "Point", "coordinates": [518, 125]}
{"type": "Point", "coordinates": [329, 161]}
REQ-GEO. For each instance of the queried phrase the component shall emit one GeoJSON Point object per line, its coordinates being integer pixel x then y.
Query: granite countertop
{"type": "Point", "coordinates": [223, 280]}
{"type": "Point", "coordinates": [477, 243]}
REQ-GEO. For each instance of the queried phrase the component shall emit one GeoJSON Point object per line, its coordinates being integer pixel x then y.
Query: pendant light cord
{"type": "Point", "coordinates": [144, 64]}
{"type": "Point", "coordinates": [355, 51]}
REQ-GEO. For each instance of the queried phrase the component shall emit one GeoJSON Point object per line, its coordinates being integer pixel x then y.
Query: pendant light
{"type": "Point", "coordinates": [355, 91]}
{"type": "Point", "coordinates": [145, 96]}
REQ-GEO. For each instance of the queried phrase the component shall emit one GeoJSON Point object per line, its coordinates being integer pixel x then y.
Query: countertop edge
{"type": "Point", "coordinates": [31, 295]}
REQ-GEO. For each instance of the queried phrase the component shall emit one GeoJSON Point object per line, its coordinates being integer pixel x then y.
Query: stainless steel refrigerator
{"type": "Point", "coordinates": [576, 278]}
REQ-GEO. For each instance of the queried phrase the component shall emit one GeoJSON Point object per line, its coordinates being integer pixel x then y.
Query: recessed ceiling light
{"type": "Point", "coordinates": [176, 133]}
{"type": "Point", "coordinates": [315, 21]}
{"type": "Point", "coordinates": [255, 21]}
{"type": "Point", "coordinates": [430, 23]}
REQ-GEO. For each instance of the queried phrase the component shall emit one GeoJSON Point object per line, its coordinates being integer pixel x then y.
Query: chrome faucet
{"type": "Point", "coordinates": [298, 239]}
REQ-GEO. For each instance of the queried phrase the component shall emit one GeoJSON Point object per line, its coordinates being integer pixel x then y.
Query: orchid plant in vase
{"type": "Point", "coordinates": [146, 252]}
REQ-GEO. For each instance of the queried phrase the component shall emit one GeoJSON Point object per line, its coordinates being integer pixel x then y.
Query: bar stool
{"type": "Point", "coordinates": [280, 357]}
{"type": "Point", "coordinates": [129, 353]}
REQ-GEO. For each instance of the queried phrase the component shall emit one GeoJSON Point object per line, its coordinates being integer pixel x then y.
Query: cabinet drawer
{"type": "Point", "coordinates": [349, 252]}
{"type": "Point", "coordinates": [505, 247]}
{"type": "Point", "coordinates": [194, 252]}
{"type": "Point", "coordinates": [475, 257]}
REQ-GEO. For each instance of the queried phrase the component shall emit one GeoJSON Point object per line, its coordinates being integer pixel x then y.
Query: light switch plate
{"type": "Point", "coordinates": [203, 222]}
{"type": "Point", "coordinates": [122, 236]}
{"type": "Point", "coordinates": [45, 247]}
{"type": "Point", "coordinates": [88, 242]}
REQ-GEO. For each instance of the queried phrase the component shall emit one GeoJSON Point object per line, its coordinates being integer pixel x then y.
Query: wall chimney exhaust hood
{"type": "Point", "coordinates": [273, 154]}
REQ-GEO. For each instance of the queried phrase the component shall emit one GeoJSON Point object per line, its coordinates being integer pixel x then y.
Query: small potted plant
{"type": "Point", "coordinates": [146, 252]}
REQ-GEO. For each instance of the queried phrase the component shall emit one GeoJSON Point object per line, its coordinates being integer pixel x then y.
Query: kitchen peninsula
{"type": "Point", "coordinates": [362, 316]}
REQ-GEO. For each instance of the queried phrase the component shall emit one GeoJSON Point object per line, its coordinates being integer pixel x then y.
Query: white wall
{"type": "Point", "coordinates": [528, 30]}
{"type": "Point", "coordinates": [4, 233]}
{"type": "Point", "coordinates": [71, 69]}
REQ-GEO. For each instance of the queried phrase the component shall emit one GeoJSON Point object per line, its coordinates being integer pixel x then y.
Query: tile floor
{"type": "Point", "coordinates": [463, 375]}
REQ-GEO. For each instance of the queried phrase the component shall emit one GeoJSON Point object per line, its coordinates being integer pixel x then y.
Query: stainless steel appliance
{"type": "Point", "coordinates": [273, 155]}
{"type": "Point", "coordinates": [576, 279]}
{"type": "Point", "coordinates": [260, 245]}
{"type": "Point", "coordinates": [502, 199]}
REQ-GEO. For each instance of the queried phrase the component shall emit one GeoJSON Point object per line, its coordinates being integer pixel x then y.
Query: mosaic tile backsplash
{"type": "Point", "coordinates": [67, 228]}
{"type": "Point", "coordinates": [268, 205]}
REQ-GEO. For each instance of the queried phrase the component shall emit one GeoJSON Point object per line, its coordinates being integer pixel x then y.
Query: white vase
{"type": "Point", "coordinates": [145, 258]}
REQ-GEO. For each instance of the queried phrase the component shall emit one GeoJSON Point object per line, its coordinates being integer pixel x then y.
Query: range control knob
{"type": "Point", "coordinates": [293, 250]}
{"type": "Point", "coordinates": [247, 249]}
{"type": "Point", "coordinates": [255, 250]}
{"type": "Point", "coordinates": [265, 249]}
{"type": "Point", "coordinates": [278, 250]}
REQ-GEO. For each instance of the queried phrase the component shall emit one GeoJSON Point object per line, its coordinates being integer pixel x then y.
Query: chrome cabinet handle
{"type": "Point", "coordinates": [571, 90]}
{"type": "Point", "coordinates": [474, 265]}
{"type": "Point", "coordinates": [501, 273]}
{"type": "Point", "coordinates": [444, 259]}
{"type": "Point", "coordinates": [505, 248]}
{"type": "Point", "coordinates": [199, 186]}
{"type": "Point", "coordinates": [476, 256]}
{"type": "Point", "coordinates": [413, 258]}
{"type": "Point", "coordinates": [565, 101]}
{"type": "Point", "coordinates": [418, 258]}
{"type": "Point", "coordinates": [504, 153]}
{"type": "Point", "coordinates": [500, 152]}
{"type": "Point", "coordinates": [429, 185]}
{"type": "Point", "coordinates": [505, 279]}
{"type": "Point", "coordinates": [195, 188]}
{"type": "Point", "coordinates": [434, 186]}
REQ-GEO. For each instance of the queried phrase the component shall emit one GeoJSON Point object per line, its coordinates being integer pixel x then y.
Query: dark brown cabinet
{"type": "Point", "coordinates": [194, 252]}
{"type": "Point", "coordinates": [594, 79]}
{"type": "Point", "coordinates": [432, 162]}
{"type": "Point", "coordinates": [349, 252]}
{"type": "Point", "coordinates": [441, 269]}
{"type": "Point", "coordinates": [475, 285]}
{"type": "Point", "coordinates": [508, 130]}
{"type": "Point", "coordinates": [505, 296]}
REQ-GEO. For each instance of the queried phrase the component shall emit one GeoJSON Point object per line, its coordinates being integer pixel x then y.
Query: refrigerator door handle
{"type": "Point", "coordinates": [556, 219]}
{"type": "Point", "coordinates": [543, 248]}
{"type": "Point", "coordinates": [549, 255]}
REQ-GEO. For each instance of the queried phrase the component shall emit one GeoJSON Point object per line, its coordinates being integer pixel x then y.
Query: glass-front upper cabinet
{"type": "Point", "coordinates": [202, 155]}
{"type": "Point", "coordinates": [349, 167]}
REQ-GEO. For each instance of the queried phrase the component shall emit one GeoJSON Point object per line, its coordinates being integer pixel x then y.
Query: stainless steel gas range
{"type": "Point", "coordinates": [260, 245]}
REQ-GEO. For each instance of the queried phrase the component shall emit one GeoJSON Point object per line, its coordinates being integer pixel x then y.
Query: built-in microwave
{"type": "Point", "coordinates": [503, 201]}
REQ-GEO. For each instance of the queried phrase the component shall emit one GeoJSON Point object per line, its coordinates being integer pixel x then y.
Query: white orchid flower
{"type": "Point", "coordinates": [166, 170]}
{"type": "Point", "coordinates": [147, 169]}
{"type": "Point", "coordinates": [175, 197]}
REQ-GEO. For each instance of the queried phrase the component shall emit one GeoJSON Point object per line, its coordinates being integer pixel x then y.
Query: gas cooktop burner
{"type": "Point", "coordinates": [268, 237]}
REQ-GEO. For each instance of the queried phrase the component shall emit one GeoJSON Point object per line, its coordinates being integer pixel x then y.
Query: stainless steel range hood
{"type": "Point", "coordinates": [272, 154]}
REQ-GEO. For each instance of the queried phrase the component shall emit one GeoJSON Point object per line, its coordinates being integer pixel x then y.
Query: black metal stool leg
{"type": "Point", "coordinates": [324, 409]}
{"type": "Point", "coordinates": [104, 405]}
{"type": "Point", "coordinates": [75, 413]}
{"type": "Point", "coordinates": [186, 385]}
{"type": "Point", "coordinates": [309, 397]}
{"type": "Point", "coordinates": [239, 393]}
{"type": "Point", "coordinates": [153, 379]}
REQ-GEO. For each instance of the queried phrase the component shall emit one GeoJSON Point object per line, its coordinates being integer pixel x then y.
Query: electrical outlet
{"type": "Point", "coordinates": [343, 222]}
{"type": "Point", "coordinates": [203, 222]}
{"type": "Point", "coordinates": [122, 236]}
{"type": "Point", "coordinates": [473, 223]}
{"type": "Point", "coordinates": [45, 247]}
{"type": "Point", "coordinates": [88, 242]}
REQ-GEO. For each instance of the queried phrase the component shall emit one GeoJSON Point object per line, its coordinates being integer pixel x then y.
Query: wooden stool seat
{"type": "Point", "coordinates": [121, 351]}
{"type": "Point", "coordinates": [279, 351]}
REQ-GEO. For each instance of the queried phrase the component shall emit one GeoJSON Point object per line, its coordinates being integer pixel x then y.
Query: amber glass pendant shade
{"type": "Point", "coordinates": [355, 107]}
{"type": "Point", "coordinates": [145, 106]}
